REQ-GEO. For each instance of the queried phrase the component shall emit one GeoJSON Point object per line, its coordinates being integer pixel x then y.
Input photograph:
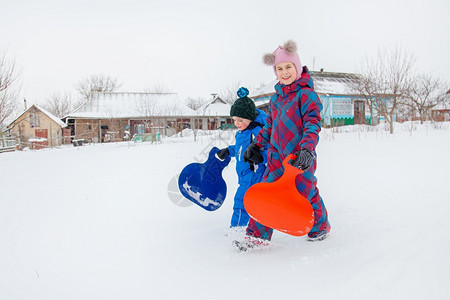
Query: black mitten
{"type": "Point", "coordinates": [253, 154]}
{"type": "Point", "coordinates": [304, 160]}
{"type": "Point", "coordinates": [223, 153]}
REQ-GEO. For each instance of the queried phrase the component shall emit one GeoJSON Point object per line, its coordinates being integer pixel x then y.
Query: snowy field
{"type": "Point", "coordinates": [97, 222]}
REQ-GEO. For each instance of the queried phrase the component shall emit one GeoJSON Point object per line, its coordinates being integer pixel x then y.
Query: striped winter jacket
{"type": "Point", "coordinates": [294, 118]}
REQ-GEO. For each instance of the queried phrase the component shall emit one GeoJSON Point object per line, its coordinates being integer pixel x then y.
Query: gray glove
{"type": "Point", "coordinates": [304, 160]}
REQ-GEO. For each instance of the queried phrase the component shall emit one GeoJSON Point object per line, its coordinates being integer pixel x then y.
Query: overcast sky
{"type": "Point", "coordinates": [196, 48]}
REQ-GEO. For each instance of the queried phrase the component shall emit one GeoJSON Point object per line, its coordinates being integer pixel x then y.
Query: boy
{"type": "Point", "coordinates": [249, 122]}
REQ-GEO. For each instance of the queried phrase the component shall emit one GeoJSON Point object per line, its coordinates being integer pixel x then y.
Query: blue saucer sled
{"type": "Point", "coordinates": [202, 183]}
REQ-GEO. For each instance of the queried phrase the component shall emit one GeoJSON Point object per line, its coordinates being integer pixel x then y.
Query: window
{"type": "Point", "coordinates": [35, 119]}
{"type": "Point", "coordinates": [342, 107]}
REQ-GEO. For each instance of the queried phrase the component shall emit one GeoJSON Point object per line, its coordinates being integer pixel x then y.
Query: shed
{"type": "Point", "coordinates": [37, 128]}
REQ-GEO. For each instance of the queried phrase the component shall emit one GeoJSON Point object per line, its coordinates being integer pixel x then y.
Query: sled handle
{"type": "Point", "coordinates": [289, 170]}
{"type": "Point", "coordinates": [222, 163]}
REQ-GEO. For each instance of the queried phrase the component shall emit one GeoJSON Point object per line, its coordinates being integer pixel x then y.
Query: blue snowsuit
{"type": "Point", "coordinates": [247, 177]}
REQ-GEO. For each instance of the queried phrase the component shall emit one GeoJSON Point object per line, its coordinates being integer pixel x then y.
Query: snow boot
{"type": "Point", "coordinates": [250, 243]}
{"type": "Point", "coordinates": [318, 236]}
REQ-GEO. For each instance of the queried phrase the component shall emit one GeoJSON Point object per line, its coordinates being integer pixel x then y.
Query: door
{"type": "Point", "coordinates": [66, 135]}
{"type": "Point", "coordinates": [359, 109]}
{"type": "Point", "coordinates": [41, 134]}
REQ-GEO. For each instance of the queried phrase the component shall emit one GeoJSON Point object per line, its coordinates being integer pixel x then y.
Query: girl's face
{"type": "Point", "coordinates": [286, 72]}
{"type": "Point", "coordinates": [241, 123]}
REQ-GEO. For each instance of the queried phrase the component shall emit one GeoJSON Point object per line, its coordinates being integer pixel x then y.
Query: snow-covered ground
{"type": "Point", "coordinates": [101, 222]}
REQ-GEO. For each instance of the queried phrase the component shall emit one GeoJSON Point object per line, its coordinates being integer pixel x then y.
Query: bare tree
{"type": "Point", "coordinates": [59, 104]}
{"type": "Point", "coordinates": [157, 88]}
{"type": "Point", "coordinates": [365, 86]}
{"type": "Point", "coordinates": [154, 106]}
{"type": "Point", "coordinates": [97, 83]}
{"type": "Point", "coordinates": [228, 94]}
{"type": "Point", "coordinates": [195, 103]}
{"type": "Point", "coordinates": [148, 105]}
{"type": "Point", "coordinates": [425, 93]}
{"type": "Point", "coordinates": [389, 78]}
{"type": "Point", "coordinates": [9, 90]}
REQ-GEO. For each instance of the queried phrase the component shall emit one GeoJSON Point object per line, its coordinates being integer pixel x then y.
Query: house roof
{"type": "Point", "coordinates": [215, 107]}
{"type": "Point", "coordinates": [324, 83]}
{"type": "Point", "coordinates": [444, 105]}
{"type": "Point", "coordinates": [132, 105]}
{"type": "Point", "coordinates": [44, 111]}
{"type": "Point", "coordinates": [264, 90]}
{"type": "Point", "coordinates": [52, 116]}
{"type": "Point", "coordinates": [333, 83]}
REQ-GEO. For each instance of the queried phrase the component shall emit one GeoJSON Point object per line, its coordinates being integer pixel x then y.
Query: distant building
{"type": "Point", "coordinates": [112, 117]}
{"type": "Point", "coordinates": [37, 128]}
{"type": "Point", "coordinates": [341, 106]}
{"type": "Point", "coordinates": [217, 112]}
{"type": "Point", "coordinates": [441, 112]}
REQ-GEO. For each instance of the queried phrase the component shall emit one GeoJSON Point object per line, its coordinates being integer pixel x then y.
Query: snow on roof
{"type": "Point", "coordinates": [441, 106]}
{"type": "Point", "coordinates": [333, 83]}
{"type": "Point", "coordinates": [51, 116]}
{"type": "Point", "coordinates": [129, 105]}
{"type": "Point", "coordinates": [445, 104]}
{"type": "Point", "coordinates": [216, 107]}
{"type": "Point", "coordinates": [44, 111]}
{"type": "Point", "coordinates": [261, 103]}
{"type": "Point", "coordinates": [265, 90]}
{"type": "Point", "coordinates": [324, 83]}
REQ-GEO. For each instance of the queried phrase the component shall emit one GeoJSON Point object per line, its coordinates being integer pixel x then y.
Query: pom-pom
{"type": "Point", "coordinates": [242, 92]}
{"type": "Point", "coordinates": [269, 59]}
{"type": "Point", "coordinates": [290, 47]}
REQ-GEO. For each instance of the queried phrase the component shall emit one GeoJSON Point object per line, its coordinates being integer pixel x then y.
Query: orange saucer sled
{"type": "Point", "coordinates": [279, 205]}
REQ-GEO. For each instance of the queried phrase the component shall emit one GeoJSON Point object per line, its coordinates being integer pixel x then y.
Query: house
{"type": "Point", "coordinates": [441, 112]}
{"type": "Point", "coordinates": [37, 128]}
{"type": "Point", "coordinates": [341, 106]}
{"type": "Point", "coordinates": [118, 116]}
{"type": "Point", "coordinates": [217, 112]}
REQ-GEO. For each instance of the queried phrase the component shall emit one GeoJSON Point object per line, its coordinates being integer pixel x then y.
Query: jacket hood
{"type": "Point", "coordinates": [261, 116]}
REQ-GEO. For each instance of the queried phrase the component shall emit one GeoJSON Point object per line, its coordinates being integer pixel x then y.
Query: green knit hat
{"type": "Point", "coordinates": [243, 107]}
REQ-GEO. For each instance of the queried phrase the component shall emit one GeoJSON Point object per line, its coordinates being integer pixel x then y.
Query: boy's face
{"type": "Point", "coordinates": [286, 72]}
{"type": "Point", "coordinates": [241, 123]}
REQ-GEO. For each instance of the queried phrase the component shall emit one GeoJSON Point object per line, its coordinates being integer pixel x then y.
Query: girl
{"type": "Point", "coordinates": [293, 127]}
